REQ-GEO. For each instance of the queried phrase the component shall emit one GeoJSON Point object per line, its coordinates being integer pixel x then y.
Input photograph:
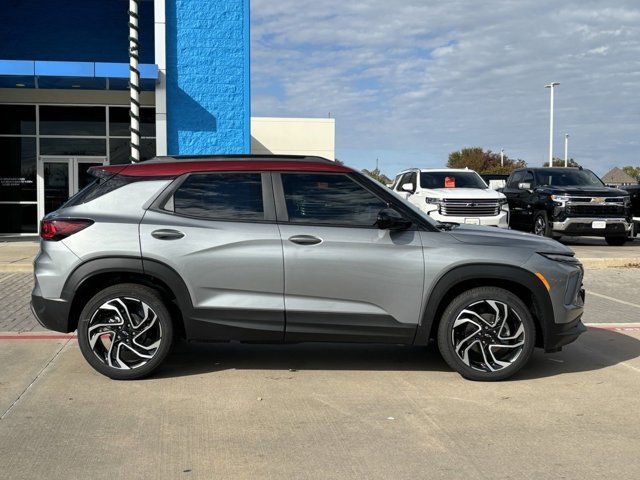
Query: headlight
{"type": "Point", "coordinates": [560, 257]}
{"type": "Point", "coordinates": [432, 200]}
{"type": "Point", "coordinates": [560, 198]}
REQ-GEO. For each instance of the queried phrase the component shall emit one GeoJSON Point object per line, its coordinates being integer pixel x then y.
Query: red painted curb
{"type": "Point", "coordinates": [37, 337]}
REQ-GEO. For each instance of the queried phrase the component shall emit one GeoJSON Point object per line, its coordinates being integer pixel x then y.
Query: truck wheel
{"type": "Point", "coordinates": [541, 225]}
{"type": "Point", "coordinates": [616, 241]}
{"type": "Point", "coordinates": [487, 334]}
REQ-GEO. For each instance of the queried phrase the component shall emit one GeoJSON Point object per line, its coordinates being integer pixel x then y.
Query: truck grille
{"type": "Point", "coordinates": [469, 208]}
{"type": "Point", "coordinates": [595, 210]}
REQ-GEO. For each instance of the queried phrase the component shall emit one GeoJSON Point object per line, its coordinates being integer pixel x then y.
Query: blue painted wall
{"type": "Point", "coordinates": [208, 93]}
{"type": "Point", "coordinates": [72, 30]}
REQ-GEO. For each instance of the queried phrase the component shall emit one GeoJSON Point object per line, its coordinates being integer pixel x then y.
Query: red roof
{"type": "Point", "coordinates": [175, 169]}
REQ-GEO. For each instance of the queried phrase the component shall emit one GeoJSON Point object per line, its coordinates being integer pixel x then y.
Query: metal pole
{"type": "Point", "coordinates": [551, 86]}
{"type": "Point", "coordinates": [502, 157]}
{"type": "Point", "coordinates": [566, 150]}
{"type": "Point", "coordinates": [134, 81]}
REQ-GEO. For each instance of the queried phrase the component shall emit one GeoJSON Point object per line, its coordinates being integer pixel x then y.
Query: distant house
{"type": "Point", "coordinates": [617, 177]}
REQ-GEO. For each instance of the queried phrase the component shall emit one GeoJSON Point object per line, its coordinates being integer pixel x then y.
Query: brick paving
{"type": "Point", "coordinates": [15, 293]}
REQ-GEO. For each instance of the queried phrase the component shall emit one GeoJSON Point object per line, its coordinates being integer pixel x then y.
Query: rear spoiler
{"type": "Point", "coordinates": [106, 171]}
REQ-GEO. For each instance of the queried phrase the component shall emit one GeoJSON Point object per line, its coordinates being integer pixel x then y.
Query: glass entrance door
{"type": "Point", "coordinates": [62, 177]}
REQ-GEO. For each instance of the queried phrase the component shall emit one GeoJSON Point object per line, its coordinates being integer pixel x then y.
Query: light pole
{"type": "Point", "coordinates": [502, 157]}
{"type": "Point", "coordinates": [566, 150]}
{"type": "Point", "coordinates": [134, 82]}
{"type": "Point", "coordinates": [551, 86]}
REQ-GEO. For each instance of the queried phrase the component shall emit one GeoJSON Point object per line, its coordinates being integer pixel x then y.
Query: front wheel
{"type": "Point", "coordinates": [486, 333]}
{"type": "Point", "coordinates": [125, 331]}
{"type": "Point", "coordinates": [616, 241]}
{"type": "Point", "coordinates": [541, 225]}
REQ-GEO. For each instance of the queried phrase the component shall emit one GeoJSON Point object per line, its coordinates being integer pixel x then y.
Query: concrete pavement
{"type": "Point", "coordinates": [321, 411]}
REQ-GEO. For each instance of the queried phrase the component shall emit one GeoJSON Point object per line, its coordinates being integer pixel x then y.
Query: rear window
{"type": "Point", "coordinates": [221, 196]}
{"type": "Point", "coordinates": [98, 187]}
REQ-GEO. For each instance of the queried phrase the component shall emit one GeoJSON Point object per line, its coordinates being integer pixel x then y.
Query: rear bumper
{"type": "Point", "coordinates": [583, 226]}
{"type": "Point", "coordinates": [52, 314]}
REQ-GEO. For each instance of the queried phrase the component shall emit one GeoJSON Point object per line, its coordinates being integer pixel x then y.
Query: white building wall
{"type": "Point", "coordinates": [293, 136]}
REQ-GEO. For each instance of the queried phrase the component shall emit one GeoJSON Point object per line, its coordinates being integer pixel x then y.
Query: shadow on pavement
{"type": "Point", "coordinates": [595, 350]}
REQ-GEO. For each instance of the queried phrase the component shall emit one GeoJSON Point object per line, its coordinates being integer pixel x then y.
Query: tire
{"type": "Point", "coordinates": [541, 225]}
{"type": "Point", "coordinates": [616, 241]}
{"type": "Point", "coordinates": [141, 344]}
{"type": "Point", "coordinates": [462, 344]}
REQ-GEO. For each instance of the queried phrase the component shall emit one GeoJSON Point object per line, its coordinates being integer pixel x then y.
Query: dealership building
{"type": "Point", "coordinates": [64, 95]}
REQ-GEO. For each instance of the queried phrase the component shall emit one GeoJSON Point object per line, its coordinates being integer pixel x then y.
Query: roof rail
{"type": "Point", "coordinates": [236, 156]}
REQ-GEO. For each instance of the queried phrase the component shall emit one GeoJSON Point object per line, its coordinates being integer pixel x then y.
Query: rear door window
{"type": "Point", "coordinates": [220, 196]}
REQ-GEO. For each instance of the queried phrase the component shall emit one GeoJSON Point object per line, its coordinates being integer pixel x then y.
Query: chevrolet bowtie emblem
{"type": "Point", "coordinates": [597, 200]}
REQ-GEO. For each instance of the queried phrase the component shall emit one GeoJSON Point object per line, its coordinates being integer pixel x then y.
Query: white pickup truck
{"type": "Point", "coordinates": [453, 195]}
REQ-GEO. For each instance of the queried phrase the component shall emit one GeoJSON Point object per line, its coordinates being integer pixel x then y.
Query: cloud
{"type": "Point", "coordinates": [411, 81]}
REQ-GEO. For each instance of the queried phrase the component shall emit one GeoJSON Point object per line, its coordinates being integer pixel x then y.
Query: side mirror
{"type": "Point", "coordinates": [390, 219]}
{"type": "Point", "coordinates": [524, 186]}
{"type": "Point", "coordinates": [407, 187]}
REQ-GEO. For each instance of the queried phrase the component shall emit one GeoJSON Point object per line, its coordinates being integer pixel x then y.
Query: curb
{"type": "Point", "coordinates": [598, 263]}
{"type": "Point", "coordinates": [16, 268]}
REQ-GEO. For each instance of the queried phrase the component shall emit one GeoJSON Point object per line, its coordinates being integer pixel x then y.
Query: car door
{"type": "Point", "coordinates": [512, 192]}
{"type": "Point", "coordinates": [217, 231]}
{"type": "Point", "coordinates": [345, 279]}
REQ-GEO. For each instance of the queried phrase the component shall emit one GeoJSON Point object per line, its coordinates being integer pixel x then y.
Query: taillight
{"type": "Point", "coordinates": [62, 228]}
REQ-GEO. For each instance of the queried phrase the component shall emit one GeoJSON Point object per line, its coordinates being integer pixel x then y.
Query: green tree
{"type": "Point", "coordinates": [632, 171]}
{"type": "Point", "coordinates": [559, 162]}
{"type": "Point", "coordinates": [377, 175]}
{"type": "Point", "coordinates": [475, 158]}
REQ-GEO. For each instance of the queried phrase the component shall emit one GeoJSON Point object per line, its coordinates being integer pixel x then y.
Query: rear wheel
{"type": "Point", "coordinates": [486, 333]}
{"type": "Point", "coordinates": [125, 331]}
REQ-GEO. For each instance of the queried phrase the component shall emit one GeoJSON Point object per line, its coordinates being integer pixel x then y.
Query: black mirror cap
{"type": "Point", "coordinates": [390, 219]}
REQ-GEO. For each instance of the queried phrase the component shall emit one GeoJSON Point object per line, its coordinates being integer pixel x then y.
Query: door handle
{"type": "Point", "coordinates": [305, 240]}
{"type": "Point", "coordinates": [167, 234]}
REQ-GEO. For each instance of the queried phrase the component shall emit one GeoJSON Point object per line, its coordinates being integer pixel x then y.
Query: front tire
{"type": "Point", "coordinates": [486, 334]}
{"type": "Point", "coordinates": [125, 331]}
{"type": "Point", "coordinates": [541, 225]}
{"type": "Point", "coordinates": [616, 241]}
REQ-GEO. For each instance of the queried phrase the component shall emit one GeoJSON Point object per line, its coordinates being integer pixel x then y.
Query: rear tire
{"type": "Point", "coordinates": [479, 341]}
{"type": "Point", "coordinates": [125, 331]}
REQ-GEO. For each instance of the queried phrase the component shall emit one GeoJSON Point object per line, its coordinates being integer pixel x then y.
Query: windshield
{"type": "Point", "coordinates": [568, 178]}
{"type": "Point", "coordinates": [451, 180]}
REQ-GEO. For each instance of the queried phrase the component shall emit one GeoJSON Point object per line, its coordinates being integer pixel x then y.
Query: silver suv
{"type": "Point", "coordinates": [291, 249]}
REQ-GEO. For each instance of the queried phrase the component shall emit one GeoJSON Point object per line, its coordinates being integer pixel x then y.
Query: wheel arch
{"type": "Point", "coordinates": [96, 274]}
{"type": "Point", "coordinates": [458, 279]}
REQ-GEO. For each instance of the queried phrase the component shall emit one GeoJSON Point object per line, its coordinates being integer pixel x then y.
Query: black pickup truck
{"type": "Point", "coordinates": [553, 202]}
{"type": "Point", "coordinates": [634, 193]}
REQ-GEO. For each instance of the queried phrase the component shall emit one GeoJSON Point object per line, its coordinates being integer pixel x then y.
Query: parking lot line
{"type": "Point", "coordinates": [613, 299]}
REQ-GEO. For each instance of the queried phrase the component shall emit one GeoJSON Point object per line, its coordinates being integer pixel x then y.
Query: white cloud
{"type": "Point", "coordinates": [410, 81]}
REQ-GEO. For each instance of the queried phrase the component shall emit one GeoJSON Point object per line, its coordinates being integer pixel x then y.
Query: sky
{"type": "Point", "coordinates": [409, 81]}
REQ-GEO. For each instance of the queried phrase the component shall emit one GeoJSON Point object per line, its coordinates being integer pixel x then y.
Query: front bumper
{"type": "Point", "coordinates": [584, 226]}
{"type": "Point", "coordinates": [563, 334]}
{"type": "Point", "coordinates": [501, 220]}
{"type": "Point", "coordinates": [52, 314]}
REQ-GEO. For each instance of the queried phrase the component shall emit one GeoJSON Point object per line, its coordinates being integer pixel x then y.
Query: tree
{"type": "Point", "coordinates": [632, 171]}
{"type": "Point", "coordinates": [377, 175]}
{"type": "Point", "coordinates": [482, 161]}
{"type": "Point", "coordinates": [559, 162]}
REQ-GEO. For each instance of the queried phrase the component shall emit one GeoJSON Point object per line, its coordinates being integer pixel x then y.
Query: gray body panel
{"type": "Point", "coordinates": [355, 279]}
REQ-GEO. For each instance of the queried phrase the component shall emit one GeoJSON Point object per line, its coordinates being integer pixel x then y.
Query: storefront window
{"type": "Point", "coordinates": [73, 121]}
{"type": "Point", "coordinates": [119, 121]}
{"type": "Point", "coordinates": [119, 150]}
{"type": "Point", "coordinates": [18, 218]}
{"type": "Point", "coordinates": [17, 119]}
{"type": "Point", "coordinates": [73, 146]}
{"type": "Point", "coordinates": [17, 169]}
